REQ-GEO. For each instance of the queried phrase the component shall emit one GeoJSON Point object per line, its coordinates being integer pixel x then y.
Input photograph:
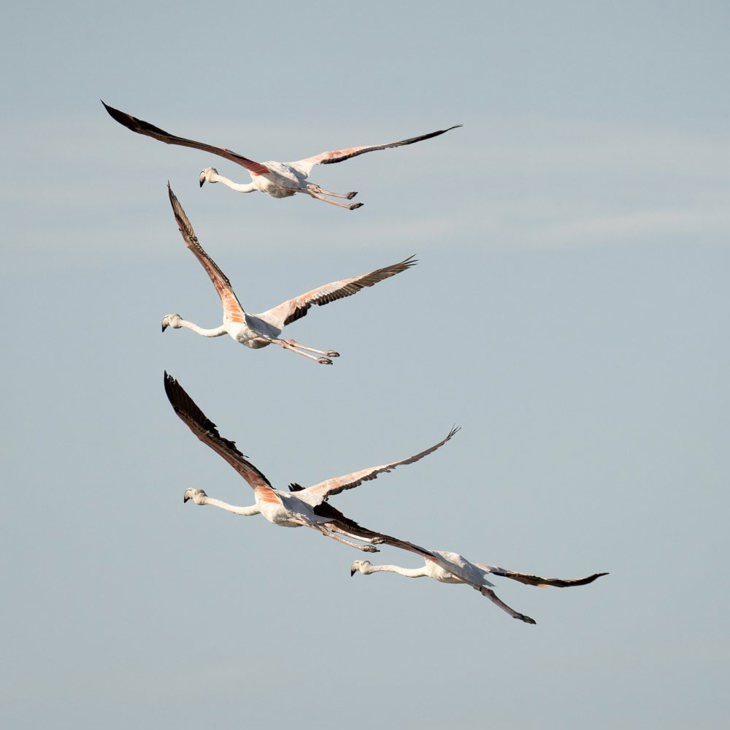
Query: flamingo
{"type": "Point", "coordinates": [299, 507]}
{"type": "Point", "coordinates": [278, 179]}
{"type": "Point", "coordinates": [259, 330]}
{"type": "Point", "coordinates": [450, 567]}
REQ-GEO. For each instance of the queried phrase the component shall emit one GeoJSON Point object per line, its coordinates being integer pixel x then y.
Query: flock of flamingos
{"type": "Point", "coordinates": [306, 506]}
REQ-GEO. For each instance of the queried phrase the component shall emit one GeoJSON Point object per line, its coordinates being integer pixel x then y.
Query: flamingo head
{"type": "Point", "coordinates": [207, 175]}
{"type": "Point", "coordinates": [171, 320]}
{"type": "Point", "coordinates": [361, 566]}
{"type": "Point", "coordinates": [197, 495]}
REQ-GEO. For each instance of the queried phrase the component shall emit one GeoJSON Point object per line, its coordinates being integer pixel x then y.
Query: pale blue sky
{"type": "Point", "coordinates": [569, 310]}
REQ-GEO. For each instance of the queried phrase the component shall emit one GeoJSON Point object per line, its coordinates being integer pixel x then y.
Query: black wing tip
{"type": "Point", "coordinates": [439, 132]}
{"type": "Point", "coordinates": [171, 195]}
{"type": "Point", "coordinates": [188, 410]}
{"type": "Point", "coordinates": [172, 387]}
{"type": "Point", "coordinates": [181, 217]}
{"type": "Point", "coordinates": [174, 391]}
{"type": "Point", "coordinates": [582, 581]}
{"type": "Point", "coordinates": [117, 114]}
{"type": "Point", "coordinates": [431, 135]}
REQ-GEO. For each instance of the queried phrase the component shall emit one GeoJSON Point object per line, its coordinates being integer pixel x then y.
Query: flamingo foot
{"type": "Point", "coordinates": [332, 353]}
{"type": "Point", "coordinates": [324, 361]}
{"type": "Point", "coordinates": [356, 206]}
{"type": "Point", "coordinates": [350, 196]}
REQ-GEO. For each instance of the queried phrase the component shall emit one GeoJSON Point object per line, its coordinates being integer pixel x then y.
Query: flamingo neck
{"type": "Point", "coordinates": [407, 572]}
{"type": "Point", "coordinates": [213, 332]}
{"type": "Point", "coordinates": [245, 511]}
{"type": "Point", "coordinates": [238, 187]}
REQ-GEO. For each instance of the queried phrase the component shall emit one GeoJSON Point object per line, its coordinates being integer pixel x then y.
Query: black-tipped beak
{"type": "Point", "coordinates": [164, 327]}
{"type": "Point", "coordinates": [185, 498]}
{"type": "Point", "coordinates": [352, 572]}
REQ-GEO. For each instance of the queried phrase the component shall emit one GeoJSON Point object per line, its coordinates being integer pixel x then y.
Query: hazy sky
{"type": "Point", "coordinates": [569, 311]}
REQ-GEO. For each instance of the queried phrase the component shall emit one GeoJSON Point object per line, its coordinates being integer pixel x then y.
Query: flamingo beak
{"type": "Point", "coordinates": [186, 497]}
{"type": "Point", "coordinates": [202, 179]}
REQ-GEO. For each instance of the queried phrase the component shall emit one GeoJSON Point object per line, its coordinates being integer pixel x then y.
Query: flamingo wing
{"type": "Point", "coordinates": [295, 308]}
{"type": "Point", "coordinates": [462, 569]}
{"type": "Point", "coordinates": [536, 580]}
{"type": "Point", "coordinates": [149, 130]}
{"type": "Point", "coordinates": [232, 309]}
{"type": "Point", "coordinates": [333, 156]}
{"type": "Point", "coordinates": [346, 524]}
{"type": "Point", "coordinates": [207, 432]}
{"type": "Point", "coordinates": [319, 493]}
{"type": "Point", "coordinates": [472, 574]}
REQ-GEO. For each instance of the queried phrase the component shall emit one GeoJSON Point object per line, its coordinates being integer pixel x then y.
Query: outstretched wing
{"type": "Point", "coordinates": [536, 580]}
{"type": "Point", "coordinates": [149, 130]}
{"type": "Point", "coordinates": [207, 432]}
{"type": "Point", "coordinates": [318, 493]}
{"type": "Point", "coordinates": [329, 158]}
{"type": "Point", "coordinates": [462, 569]}
{"type": "Point", "coordinates": [232, 309]}
{"type": "Point", "coordinates": [293, 309]}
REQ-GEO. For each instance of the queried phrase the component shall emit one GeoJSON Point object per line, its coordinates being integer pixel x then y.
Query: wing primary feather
{"type": "Point", "coordinates": [191, 240]}
{"type": "Point", "coordinates": [345, 288]}
{"type": "Point", "coordinates": [330, 158]}
{"type": "Point", "coordinates": [319, 493]}
{"type": "Point", "coordinates": [150, 130]}
{"type": "Point", "coordinates": [190, 413]}
{"type": "Point", "coordinates": [536, 580]}
{"type": "Point", "coordinates": [207, 432]}
{"type": "Point", "coordinates": [233, 311]}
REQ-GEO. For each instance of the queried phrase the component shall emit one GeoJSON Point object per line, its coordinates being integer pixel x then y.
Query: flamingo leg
{"type": "Point", "coordinates": [304, 350]}
{"type": "Point", "coordinates": [327, 532]}
{"type": "Point", "coordinates": [317, 189]}
{"type": "Point", "coordinates": [374, 540]}
{"type": "Point", "coordinates": [316, 192]}
{"type": "Point", "coordinates": [492, 596]}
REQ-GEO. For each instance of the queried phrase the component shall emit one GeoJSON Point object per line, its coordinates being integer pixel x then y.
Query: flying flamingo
{"type": "Point", "coordinates": [278, 179]}
{"type": "Point", "coordinates": [260, 330]}
{"type": "Point", "coordinates": [449, 567]}
{"type": "Point", "coordinates": [298, 508]}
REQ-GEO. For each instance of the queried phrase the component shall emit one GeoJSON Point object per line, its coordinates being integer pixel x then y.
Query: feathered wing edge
{"type": "Point", "coordinates": [319, 493]}
{"type": "Point", "coordinates": [536, 580]}
{"type": "Point", "coordinates": [149, 130]}
{"type": "Point", "coordinates": [194, 418]}
{"type": "Point", "coordinates": [334, 156]}
{"type": "Point", "coordinates": [295, 308]}
{"type": "Point", "coordinates": [450, 567]}
{"type": "Point", "coordinates": [232, 309]}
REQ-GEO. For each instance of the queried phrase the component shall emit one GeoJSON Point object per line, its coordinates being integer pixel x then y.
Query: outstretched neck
{"type": "Point", "coordinates": [245, 511]}
{"type": "Point", "coordinates": [212, 332]}
{"type": "Point", "coordinates": [238, 187]}
{"type": "Point", "coordinates": [407, 572]}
